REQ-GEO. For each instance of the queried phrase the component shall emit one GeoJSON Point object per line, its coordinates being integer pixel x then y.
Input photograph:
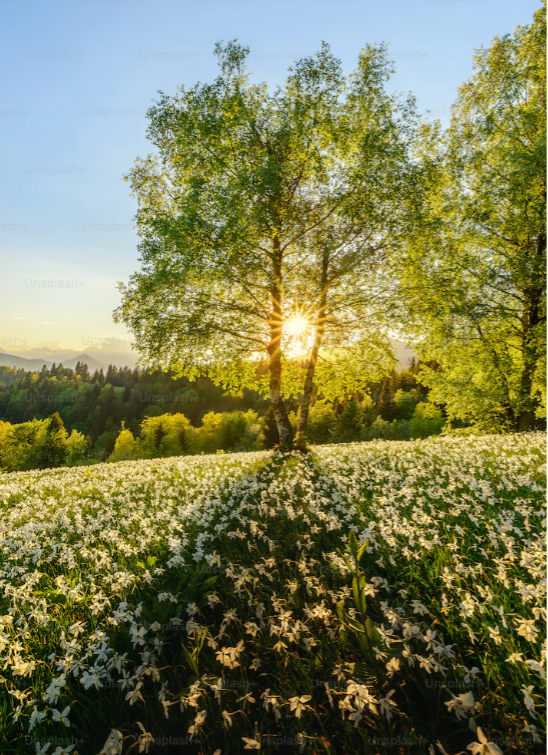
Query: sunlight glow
{"type": "Point", "coordinates": [296, 325]}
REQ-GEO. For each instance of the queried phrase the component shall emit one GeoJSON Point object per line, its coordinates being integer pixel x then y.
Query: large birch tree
{"type": "Point", "coordinates": [260, 209]}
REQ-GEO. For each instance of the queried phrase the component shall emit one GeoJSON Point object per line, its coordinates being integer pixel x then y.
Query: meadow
{"type": "Point", "coordinates": [381, 597]}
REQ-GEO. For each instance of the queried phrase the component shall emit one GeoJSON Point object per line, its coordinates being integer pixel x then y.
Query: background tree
{"type": "Point", "coordinates": [53, 452]}
{"type": "Point", "coordinates": [474, 278]}
{"type": "Point", "coordinates": [262, 209]}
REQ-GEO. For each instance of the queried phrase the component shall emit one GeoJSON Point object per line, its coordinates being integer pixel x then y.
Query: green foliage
{"type": "Point", "coordinates": [94, 406]}
{"type": "Point", "coordinates": [164, 435]}
{"type": "Point", "coordinates": [137, 401]}
{"type": "Point", "coordinates": [253, 208]}
{"type": "Point", "coordinates": [473, 279]}
{"type": "Point", "coordinates": [53, 451]}
{"type": "Point", "coordinates": [405, 403]}
{"type": "Point", "coordinates": [126, 446]}
{"type": "Point", "coordinates": [380, 428]}
{"type": "Point", "coordinates": [40, 444]}
{"type": "Point", "coordinates": [173, 435]}
{"type": "Point", "coordinates": [321, 422]}
{"type": "Point", "coordinates": [348, 423]}
{"type": "Point", "coordinates": [427, 420]}
{"type": "Point", "coordinates": [366, 582]}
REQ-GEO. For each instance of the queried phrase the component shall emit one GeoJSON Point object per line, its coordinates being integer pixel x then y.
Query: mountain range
{"type": "Point", "coordinates": [36, 364]}
{"type": "Point", "coordinates": [99, 357]}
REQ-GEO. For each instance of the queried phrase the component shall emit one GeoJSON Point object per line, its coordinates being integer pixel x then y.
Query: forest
{"type": "Point", "coordinates": [71, 417]}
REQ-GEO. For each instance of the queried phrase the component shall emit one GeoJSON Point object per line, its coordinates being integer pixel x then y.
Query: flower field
{"type": "Point", "coordinates": [383, 597]}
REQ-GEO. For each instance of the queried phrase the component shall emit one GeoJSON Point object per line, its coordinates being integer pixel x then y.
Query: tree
{"type": "Point", "coordinates": [265, 211]}
{"type": "Point", "coordinates": [474, 278]}
{"type": "Point", "coordinates": [347, 427]}
{"type": "Point", "coordinates": [165, 435]}
{"type": "Point", "coordinates": [53, 452]}
{"type": "Point", "coordinates": [76, 447]}
{"type": "Point", "coordinates": [126, 446]}
{"type": "Point", "coordinates": [427, 420]}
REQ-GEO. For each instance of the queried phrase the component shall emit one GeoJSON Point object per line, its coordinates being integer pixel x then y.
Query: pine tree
{"type": "Point", "coordinates": [347, 427]}
{"type": "Point", "coordinates": [54, 451]}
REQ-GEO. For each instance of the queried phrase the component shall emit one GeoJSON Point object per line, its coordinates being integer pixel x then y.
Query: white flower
{"type": "Point", "coordinates": [362, 696]}
{"type": "Point", "coordinates": [251, 744]}
{"type": "Point", "coordinates": [528, 699]}
{"type": "Point", "coordinates": [91, 680]}
{"type": "Point", "coordinates": [54, 690]}
{"type": "Point", "coordinates": [532, 730]}
{"type": "Point", "coordinates": [483, 747]}
{"type": "Point", "coordinates": [134, 694]}
{"type": "Point", "coordinates": [298, 704]}
{"type": "Point", "coordinates": [228, 656]}
{"type": "Point", "coordinates": [462, 704]}
{"type": "Point", "coordinates": [43, 749]}
{"type": "Point", "coordinates": [467, 606]}
{"type": "Point", "coordinates": [538, 667]}
{"type": "Point", "coordinates": [527, 629]}
{"type": "Point", "coordinates": [217, 688]}
{"type": "Point", "coordinates": [36, 717]}
{"type": "Point", "coordinates": [271, 700]}
{"type": "Point", "coordinates": [197, 725]}
{"type": "Point", "coordinates": [137, 635]}
{"type": "Point", "coordinates": [494, 633]}
{"type": "Point", "coordinates": [61, 717]}
{"type": "Point", "coordinates": [145, 738]}
{"type": "Point", "coordinates": [22, 668]}
{"type": "Point", "coordinates": [113, 745]}
{"type": "Point", "coordinates": [386, 704]}
{"type": "Point", "coordinates": [392, 666]}
{"type": "Point", "coordinates": [514, 657]}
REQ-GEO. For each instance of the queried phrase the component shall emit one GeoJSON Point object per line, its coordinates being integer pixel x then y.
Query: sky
{"type": "Point", "coordinates": [78, 77]}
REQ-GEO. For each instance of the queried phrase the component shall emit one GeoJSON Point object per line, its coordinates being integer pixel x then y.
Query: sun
{"type": "Point", "coordinates": [296, 325]}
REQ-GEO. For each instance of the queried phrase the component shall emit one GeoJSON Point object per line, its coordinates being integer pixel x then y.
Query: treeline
{"type": "Point", "coordinates": [40, 444]}
{"type": "Point", "coordinates": [61, 416]}
{"type": "Point", "coordinates": [97, 404]}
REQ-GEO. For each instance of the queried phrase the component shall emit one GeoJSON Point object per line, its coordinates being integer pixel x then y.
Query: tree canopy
{"type": "Point", "coordinates": [261, 208]}
{"type": "Point", "coordinates": [473, 279]}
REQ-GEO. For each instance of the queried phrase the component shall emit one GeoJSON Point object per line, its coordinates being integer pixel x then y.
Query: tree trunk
{"type": "Point", "coordinates": [527, 404]}
{"type": "Point", "coordinates": [285, 431]}
{"type": "Point", "coordinates": [308, 388]}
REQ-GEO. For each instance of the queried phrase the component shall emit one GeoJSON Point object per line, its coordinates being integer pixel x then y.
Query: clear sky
{"type": "Point", "coordinates": [77, 79]}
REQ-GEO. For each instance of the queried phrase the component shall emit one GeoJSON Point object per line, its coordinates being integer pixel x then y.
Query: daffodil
{"type": "Point", "coordinates": [483, 747]}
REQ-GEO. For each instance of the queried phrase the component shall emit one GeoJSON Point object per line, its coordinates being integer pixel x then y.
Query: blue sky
{"type": "Point", "coordinates": [78, 77]}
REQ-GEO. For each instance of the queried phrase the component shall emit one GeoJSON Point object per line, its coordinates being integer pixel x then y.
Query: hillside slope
{"type": "Point", "coordinates": [372, 598]}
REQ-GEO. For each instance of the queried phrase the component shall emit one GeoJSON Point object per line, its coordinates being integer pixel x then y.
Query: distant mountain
{"type": "Point", "coordinates": [35, 365]}
{"type": "Point", "coordinates": [112, 356]}
{"type": "Point", "coordinates": [99, 356]}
